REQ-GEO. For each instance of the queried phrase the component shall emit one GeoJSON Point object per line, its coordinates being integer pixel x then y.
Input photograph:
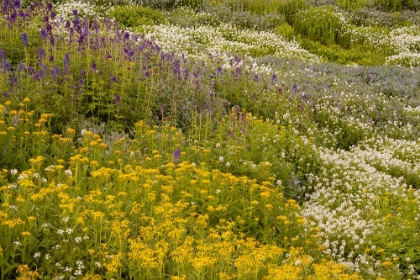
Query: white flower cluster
{"type": "Point", "coordinates": [345, 205]}
{"type": "Point", "coordinates": [65, 9]}
{"type": "Point", "coordinates": [373, 36]}
{"type": "Point", "coordinates": [198, 42]}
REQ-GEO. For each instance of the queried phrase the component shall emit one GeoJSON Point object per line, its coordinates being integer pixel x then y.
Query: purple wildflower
{"type": "Point", "coordinates": [55, 71]}
{"type": "Point", "coordinates": [177, 156]}
{"type": "Point", "coordinates": [126, 36]}
{"type": "Point", "coordinates": [49, 28]}
{"type": "Point", "coordinates": [44, 34]}
{"type": "Point", "coordinates": [243, 118]}
{"type": "Point", "coordinates": [6, 65]}
{"type": "Point", "coordinates": [41, 53]}
{"type": "Point", "coordinates": [21, 67]}
{"type": "Point", "coordinates": [273, 77]}
{"type": "Point", "coordinates": [117, 99]}
{"type": "Point", "coordinates": [294, 88]}
{"type": "Point", "coordinates": [25, 39]}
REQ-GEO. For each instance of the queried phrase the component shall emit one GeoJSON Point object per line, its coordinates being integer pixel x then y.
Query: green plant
{"type": "Point", "coordinates": [319, 24]}
{"type": "Point", "coordinates": [285, 30]}
{"type": "Point", "coordinates": [132, 16]}
{"type": "Point", "coordinates": [396, 5]}
{"type": "Point", "coordinates": [353, 5]}
{"type": "Point", "coordinates": [357, 54]}
{"type": "Point", "coordinates": [290, 8]}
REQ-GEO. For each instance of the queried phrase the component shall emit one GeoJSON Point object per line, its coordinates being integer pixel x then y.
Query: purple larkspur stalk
{"type": "Point", "coordinates": [117, 99]}
{"type": "Point", "coordinates": [25, 39]}
{"type": "Point", "coordinates": [177, 156]}
{"type": "Point", "coordinates": [273, 78]}
{"type": "Point", "coordinates": [6, 65]}
{"type": "Point", "coordinates": [294, 88]}
{"type": "Point", "coordinates": [21, 67]}
{"type": "Point", "coordinates": [113, 79]}
{"type": "Point", "coordinates": [126, 36]}
{"type": "Point", "coordinates": [55, 72]}
{"type": "Point", "coordinates": [44, 34]}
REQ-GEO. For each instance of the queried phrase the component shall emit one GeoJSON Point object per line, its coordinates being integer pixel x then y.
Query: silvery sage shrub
{"type": "Point", "coordinates": [169, 4]}
{"type": "Point", "coordinates": [244, 18]}
{"type": "Point", "coordinates": [374, 17]}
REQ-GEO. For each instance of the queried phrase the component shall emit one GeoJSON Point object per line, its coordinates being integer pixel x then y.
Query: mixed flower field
{"type": "Point", "coordinates": [222, 139]}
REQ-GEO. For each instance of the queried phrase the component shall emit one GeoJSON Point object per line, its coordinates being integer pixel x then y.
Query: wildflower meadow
{"type": "Point", "coordinates": [210, 139]}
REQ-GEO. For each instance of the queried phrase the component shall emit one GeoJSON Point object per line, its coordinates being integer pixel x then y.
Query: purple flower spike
{"type": "Point", "coordinates": [66, 60]}
{"type": "Point", "coordinates": [55, 72]}
{"type": "Point", "coordinates": [6, 65]}
{"type": "Point", "coordinates": [44, 34]}
{"type": "Point", "coordinates": [25, 39]}
{"type": "Point", "coordinates": [113, 79]}
{"type": "Point", "coordinates": [21, 67]}
{"type": "Point", "coordinates": [117, 99]}
{"type": "Point", "coordinates": [177, 156]}
{"type": "Point", "coordinates": [16, 4]}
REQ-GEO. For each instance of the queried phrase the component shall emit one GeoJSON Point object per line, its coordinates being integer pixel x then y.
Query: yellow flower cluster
{"type": "Point", "coordinates": [144, 215]}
